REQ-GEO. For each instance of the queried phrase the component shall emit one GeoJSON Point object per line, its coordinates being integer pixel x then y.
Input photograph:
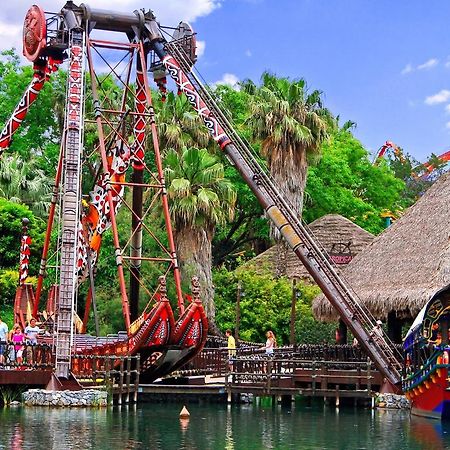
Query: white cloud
{"type": "Point", "coordinates": [248, 53]}
{"type": "Point", "coordinates": [447, 125]}
{"type": "Point", "coordinates": [10, 36]}
{"type": "Point", "coordinates": [168, 13]}
{"type": "Point", "coordinates": [441, 97]}
{"type": "Point", "coordinates": [428, 64]}
{"type": "Point", "coordinates": [407, 69]}
{"type": "Point", "coordinates": [230, 79]}
{"type": "Point", "coordinates": [200, 48]}
{"type": "Point", "coordinates": [447, 108]}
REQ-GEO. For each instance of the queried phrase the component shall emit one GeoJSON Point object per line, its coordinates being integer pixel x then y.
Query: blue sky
{"type": "Point", "coordinates": [383, 64]}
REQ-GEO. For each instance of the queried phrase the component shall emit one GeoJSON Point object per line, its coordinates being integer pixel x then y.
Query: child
{"type": "Point", "coordinates": [18, 339]}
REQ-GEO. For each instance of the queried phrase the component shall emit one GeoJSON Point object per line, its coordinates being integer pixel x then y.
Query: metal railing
{"type": "Point", "coordinates": [26, 356]}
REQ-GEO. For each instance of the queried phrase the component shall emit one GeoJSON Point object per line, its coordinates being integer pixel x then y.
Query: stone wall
{"type": "Point", "coordinates": [83, 398]}
{"type": "Point", "coordinates": [392, 401]}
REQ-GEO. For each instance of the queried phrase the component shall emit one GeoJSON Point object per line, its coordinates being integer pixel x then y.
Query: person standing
{"type": "Point", "coordinates": [31, 334]}
{"type": "Point", "coordinates": [3, 340]}
{"type": "Point", "coordinates": [271, 343]}
{"type": "Point", "coordinates": [18, 339]}
{"type": "Point", "coordinates": [231, 345]}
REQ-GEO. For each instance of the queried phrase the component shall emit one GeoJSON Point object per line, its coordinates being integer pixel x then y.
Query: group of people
{"type": "Point", "coordinates": [269, 347]}
{"type": "Point", "coordinates": [17, 338]}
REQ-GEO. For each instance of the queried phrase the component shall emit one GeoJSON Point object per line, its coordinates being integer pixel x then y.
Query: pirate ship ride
{"type": "Point", "coordinates": [69, 35]}
{"type": "Point", "coordinates": [109, 118]}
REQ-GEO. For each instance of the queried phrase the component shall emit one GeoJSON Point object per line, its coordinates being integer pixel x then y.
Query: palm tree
{"type": "Point", "coordinates": [179, 126]}
{"type": "Point", "coordinates": [23, 182]}
{"type": "Point", "coordinates": [200, 198]}
{"type": "Point", "coordinates": [292, 124]}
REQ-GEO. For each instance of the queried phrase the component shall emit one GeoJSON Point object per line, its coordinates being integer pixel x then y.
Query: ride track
{"type": "Point", "coordinates": [177, 58]}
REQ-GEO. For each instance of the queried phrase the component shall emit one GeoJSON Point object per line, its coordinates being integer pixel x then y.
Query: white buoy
{"type": "Point", "coordinates": [184, 414]}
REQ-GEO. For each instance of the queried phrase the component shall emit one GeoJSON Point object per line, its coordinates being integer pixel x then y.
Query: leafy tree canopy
{"type": "Point", "coordinates": [345, 182]}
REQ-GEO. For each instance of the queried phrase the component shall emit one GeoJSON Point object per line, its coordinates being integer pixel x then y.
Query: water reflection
{"type": "Point", "coordinates": [247, 427]}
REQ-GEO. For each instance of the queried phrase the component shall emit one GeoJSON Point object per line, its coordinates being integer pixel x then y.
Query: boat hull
{"type": "Point", "coordinates": [431, 398]}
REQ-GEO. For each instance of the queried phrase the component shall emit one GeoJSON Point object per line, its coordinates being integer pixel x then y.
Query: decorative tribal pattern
{"type": "Point", "coordinates": [97, 220]}
{"type": "Point", "coordinates": [193, 333]}
{"type": "Point", "coordinates": [139, 124]}
{"type": "Point", "coordinates": [183, 83]}
{"type": "Point", "coordinates": [41, 75]}
{"type": "Point", "coordinates": [24, 258]}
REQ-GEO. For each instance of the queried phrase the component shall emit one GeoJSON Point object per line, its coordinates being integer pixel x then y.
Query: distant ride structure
{"type": "Point", "coordinates": [423, 170]}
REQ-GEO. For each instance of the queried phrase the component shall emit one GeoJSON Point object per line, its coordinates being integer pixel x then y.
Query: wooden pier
{"type": "Point", "coordinates": [283, 375]}
{"type": "Point", "coordinates": [211, 377]}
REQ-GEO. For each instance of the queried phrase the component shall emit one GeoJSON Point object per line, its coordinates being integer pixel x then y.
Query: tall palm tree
{"type": "Point", "coordinates": [179, 126]}
{"type": "Point", "coordinates": [23, 182]}
{"type": "Point", "coordinates": [291, 123]}
{"type": "Point", "coordinates": [200, 198]}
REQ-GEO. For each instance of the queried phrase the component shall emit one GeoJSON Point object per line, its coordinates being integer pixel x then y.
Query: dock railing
{"type": "Point", "coordinates": [26, 356]}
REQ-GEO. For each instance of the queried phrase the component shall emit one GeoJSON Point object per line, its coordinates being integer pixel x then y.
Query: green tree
{"type": "Point", "coordinates": [345, 182]}
{"type": "Point", "coordinates": [292, 123]}
{"type": "Point", "coordinates": [179, 126]}
{"type": "Point", "coordinates": [248, 234]}
{"type": "Point", "coordinates": [201, 198]}
{"type": "Point", "coordinates": [39, 133]}
{"type": "Point", "coordinates": [24, 182]}
{"type": "Point", "coordinates": [11, 215]}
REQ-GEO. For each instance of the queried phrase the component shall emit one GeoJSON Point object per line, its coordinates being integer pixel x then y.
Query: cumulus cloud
{"type": "Point", "coordinates": [441, 97]}
{"type": "Point", "coordinates": [447, 108]}
{"type": "Point", "coordinates": [11, 35]}
{"type": "Point", "coordinates": [167, 13]}
{"type": "Point", "coordinates": [447, 125]}
{"type": "Point", "coordinates": [248, 53]}
{"type": "Point", "coordinates": [200, 48]}
{"type": "Point", "coordinates": [230, 79]}
{"type": "Point", "coordinates": [427, 65]}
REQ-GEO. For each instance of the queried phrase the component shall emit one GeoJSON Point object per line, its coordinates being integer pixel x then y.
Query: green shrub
{"type": "Point", "coordinates": [266, 305]}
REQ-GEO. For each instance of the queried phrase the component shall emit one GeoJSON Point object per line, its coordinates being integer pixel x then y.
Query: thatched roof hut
{"type": "Point", "coordinates": [340, 237]}
{"type": "Point", "coordinates": [406, 264]}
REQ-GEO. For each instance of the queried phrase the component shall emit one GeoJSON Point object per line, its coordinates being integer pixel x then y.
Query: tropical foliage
{"type": "Point", "coordinates": [218, 222]}
{"type": "Point", "coordinates": [201, 199]}
{"type": "Point", "coordinates": [291, 124]}
{"type": "Point", "coordinates": [24, 182]}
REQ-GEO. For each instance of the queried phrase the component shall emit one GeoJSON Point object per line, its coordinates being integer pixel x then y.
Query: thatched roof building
{"type": "Point", "coordinates": [340, 237]}
{"type": "Point", "coordinates": [406, 264]}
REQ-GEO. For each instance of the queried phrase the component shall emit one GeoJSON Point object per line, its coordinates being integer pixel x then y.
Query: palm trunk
{"type": "Point", "coordinates": [195, 258]}
{"type": "Point", "coordinates": [290, 176]}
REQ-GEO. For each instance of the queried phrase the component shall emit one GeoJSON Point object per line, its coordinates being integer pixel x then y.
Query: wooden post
{"type": "Point", "coordinates": [136, 380]}
{"type": "Point", "coordinates": [128, 378]}
{"type": "Point", "coordinates": [238, 311]}
{"type": "Point", "coordinates": [293, 312]}
{"type": "Point", "coordinates": [342, 332]}
{"type": "Point", "coordinates": [94, 369]}
{"type": "Point", "coordinates": [369, 376]}
{"type": "Point", "coordinates": [313, 376]}
{"type": "Point", "coordinates": [119, 401]}
{"type": "Point", "coordinates": [324, 379]}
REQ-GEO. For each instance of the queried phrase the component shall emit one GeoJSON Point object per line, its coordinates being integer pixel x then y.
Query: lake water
{"type": "Point", "coordinates": [157, 426]}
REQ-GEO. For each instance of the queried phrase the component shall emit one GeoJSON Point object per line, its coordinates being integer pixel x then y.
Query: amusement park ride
{"type": "Point", "coordinates": [121, 162]}
{"type": "Point", "coordinates": [426, 169]}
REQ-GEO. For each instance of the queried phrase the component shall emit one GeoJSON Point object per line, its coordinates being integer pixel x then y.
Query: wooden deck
{"type": "Point", "coordinates": [209, 375]}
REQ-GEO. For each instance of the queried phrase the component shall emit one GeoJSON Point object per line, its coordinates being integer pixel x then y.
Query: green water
{"type": "Point", "coordinates": [157, 426]}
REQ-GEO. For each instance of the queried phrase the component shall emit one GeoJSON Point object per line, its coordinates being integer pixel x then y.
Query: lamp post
{"type": "Point", "coordinates": [296, 294]}
{"type": "Point", "coordinates": [240, 293]}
